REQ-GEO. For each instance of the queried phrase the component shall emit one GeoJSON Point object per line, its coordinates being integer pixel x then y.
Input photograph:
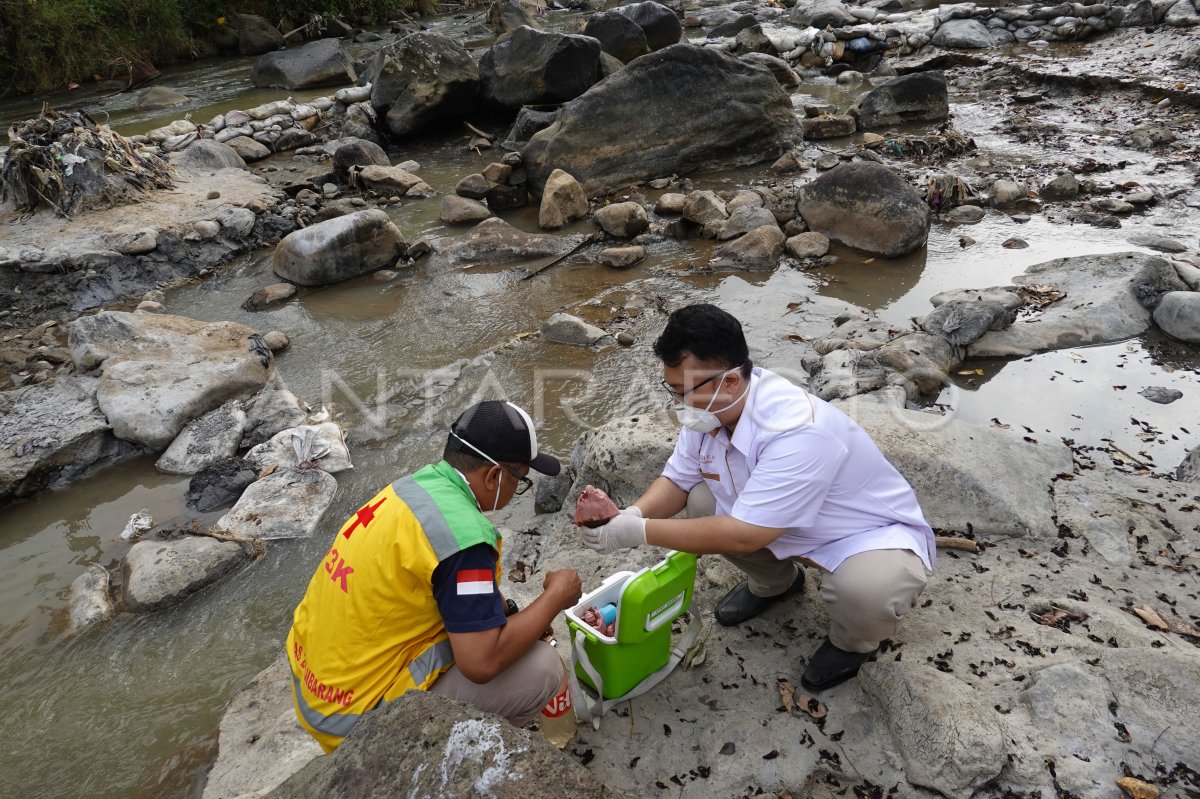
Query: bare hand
{"type": "Point", "coordinates": [564, 584]}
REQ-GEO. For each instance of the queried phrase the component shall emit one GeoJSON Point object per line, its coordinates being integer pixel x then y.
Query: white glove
{"type": "Point", "coordinates": [621, 532]}
{"type": "Point", "coordinates": [632, 510]}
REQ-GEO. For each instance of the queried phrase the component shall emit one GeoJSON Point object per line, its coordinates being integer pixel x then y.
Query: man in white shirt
{"type": "Point", "coordinates": [773, 478]}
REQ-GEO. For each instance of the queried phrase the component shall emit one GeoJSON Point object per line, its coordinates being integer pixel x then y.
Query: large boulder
{"type": "Point", "coordinates": [495, 241]}
{"type": "Point", "coordinates": [50, 435]}
{"type": "Point", "coordinates": [1188, 470]}
{"type": "Point", "coordinates": [1178, 315]}
{"type": "Point", "coordinates": [288, 503]}
{"type": "Point", "coordinates": [821, 14]}
{"type": "Point", "coordinates": [619, 36]}
{"type": "Point", "coordinates": [660, 24]}
{"type": "Point", "coordinates": [920, 97]}
{"type": "Point", "coordinates": [353, 152]}
{"type": "Point", "coordinates": [90, 601]}
{"type": "Point", "coordinates": [256, 35]}
{"type": "Point", "coordinates": [963, 34]}
{"type": "Point", "coordinates": [209, 155]}
{"type": "Point", "coordinates": [534, 68]}
{"type": "Point", "coordinates": [313, 66]}
{"type": "Point", "coordinates": [563, 201]}
{"type": "Point", "coordinates": [623, 457]}
{"type": "Point", "coordinates": [660, 111]}
{"type": "Point", "coordinates": [423, 744]}
{"type": "Point", "coordinates": [213, 437]}
{"type": "Point", "coordinates": [970, 477]}
{"type": "Point", "coordinates": [158, 372]}
{"type": "Point", "coordinates": [1108, 298]}
{"type": "Point", "coordinates": [422, 78]}
{"type": "Point", "coordinates": [866, 205]}
{"type": "Point", "coordinates": [274, 409]}
{"type": "Point", "coordinates": [758, 250]}
{"type": "Point", "coordinates": [160, 573]}
{"type": "Point", "coordinates": [339, 248]}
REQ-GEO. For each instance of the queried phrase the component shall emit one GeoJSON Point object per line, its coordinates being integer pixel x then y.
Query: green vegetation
{"type": "Point", "coordinates": [46, 44]}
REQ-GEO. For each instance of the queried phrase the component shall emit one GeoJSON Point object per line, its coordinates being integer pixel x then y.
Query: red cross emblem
{"type": "Point", "coordinates": [363, 516]}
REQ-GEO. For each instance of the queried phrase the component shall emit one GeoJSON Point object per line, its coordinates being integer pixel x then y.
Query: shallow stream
{"type": "Point", "coordinates": [131, 708]}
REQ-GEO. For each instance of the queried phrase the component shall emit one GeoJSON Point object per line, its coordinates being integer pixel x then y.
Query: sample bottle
{"type": "Point", "coordinates": [558, 718]}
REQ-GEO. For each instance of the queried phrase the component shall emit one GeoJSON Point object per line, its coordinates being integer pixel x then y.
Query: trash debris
{"type": "Point", "coordinates": [66, 161]}
{"type": "Point", "coordinates": [138, 523]}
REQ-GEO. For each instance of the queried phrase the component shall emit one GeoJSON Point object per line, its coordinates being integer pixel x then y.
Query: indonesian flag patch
{"type": "Point", "coordinates": [475, 581]}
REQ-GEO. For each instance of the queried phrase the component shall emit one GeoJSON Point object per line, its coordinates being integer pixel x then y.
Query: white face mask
{"type": "Point", "coordinates": [705, 420]}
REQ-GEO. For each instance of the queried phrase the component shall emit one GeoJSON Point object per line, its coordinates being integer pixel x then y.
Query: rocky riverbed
{"type": "Point", "coordinates": [896, 201]}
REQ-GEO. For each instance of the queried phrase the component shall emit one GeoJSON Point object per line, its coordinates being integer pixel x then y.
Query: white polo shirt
{"type": "Point", "coordinates": [795, 461]}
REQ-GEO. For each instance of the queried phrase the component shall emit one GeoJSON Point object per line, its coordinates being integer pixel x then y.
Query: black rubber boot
{"type": "Point", "coordinates": [831, 666]}
{"type": "Point", "coordinates": [740, 605]}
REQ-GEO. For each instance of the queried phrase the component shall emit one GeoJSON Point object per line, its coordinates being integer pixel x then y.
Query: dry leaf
{"type": "Point", "coordinates": [1057, 617]}
{"type": "Point", "coordinates": [1137, 789]}
{"type": "Point", "coordinates": [1150, 617]}
{"type": "Point", "coordinates": [794, 337]}
{"type": "Point", "coordinates": [268, 470]}
{"type": "Point", "coordinates": [811, 706]}
{"type": "Point", "coordinates": [869, 261]}
{"type": "Point", "coordinates": [787, 693]}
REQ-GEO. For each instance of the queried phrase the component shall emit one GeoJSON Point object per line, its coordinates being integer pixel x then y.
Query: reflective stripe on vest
{"type": "Point", "coordinates": [339, 725]}
{"type": "Point", "coordinates": [429, 516]}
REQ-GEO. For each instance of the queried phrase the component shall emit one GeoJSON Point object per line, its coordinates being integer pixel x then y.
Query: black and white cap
{"type": "Point", "coordinates": [503, 432]}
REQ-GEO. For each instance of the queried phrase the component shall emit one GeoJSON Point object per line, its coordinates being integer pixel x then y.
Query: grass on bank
{"type": "Point", "coordinates": [48, 44]}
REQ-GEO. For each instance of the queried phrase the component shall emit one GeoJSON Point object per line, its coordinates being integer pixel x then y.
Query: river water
{"type": "Point", "coordinates": [131, 708]}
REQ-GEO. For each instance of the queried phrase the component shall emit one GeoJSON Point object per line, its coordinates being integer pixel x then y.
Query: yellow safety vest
{"type": "Point", "coordinates": [368, 628]}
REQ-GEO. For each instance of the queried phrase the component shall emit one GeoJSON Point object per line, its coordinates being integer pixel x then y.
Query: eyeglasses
{"type": "Point", "coordinates": [679, 395]}
{"type": "Point", "coordinates": [523, 482]}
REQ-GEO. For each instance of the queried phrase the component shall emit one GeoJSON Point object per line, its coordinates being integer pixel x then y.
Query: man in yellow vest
{"type": "Point", "coordinates": [407, 596]}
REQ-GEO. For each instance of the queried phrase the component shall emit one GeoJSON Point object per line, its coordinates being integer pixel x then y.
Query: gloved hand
{"type": "Point", "coordinates": [632, 510]}
{"type": "Point", "coordinates": [621, 532]}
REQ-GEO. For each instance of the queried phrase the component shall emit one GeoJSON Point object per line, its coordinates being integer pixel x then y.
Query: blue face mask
{"type": "Point", "coordinates": [704, 420]}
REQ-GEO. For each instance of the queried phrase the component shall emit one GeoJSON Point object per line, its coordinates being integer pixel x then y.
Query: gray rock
{"type": "Point", "coordinates": [157, 97]}
{"type": "Point", "coordinates": [339, 248]}
{"type": "Point", "coordinates": [507, 198]}
{"type": "Point", "coordinates": [1007, 192]}
{"type": "Point", "coordinates": [247, 148]}
{"type": "Point", "coordinates": [1149, 137]}
{"type": "Point", "coordinates": [820, 14]}
{"type": "Point", "coordinates": [1157, 689]}
{"type": "Point", "coordinates": [1108, 299]}
{"type": "Point", "coordinates": [422, 78]}
{"type": "Point", "coordinates": [703, 207]}
{"type": "Point", "coordinates": [854, 334]}
{"type": "Point", "coordinates": [827, 161]}
{"type": "Point", "coordinates": [919, 97]}
{"type": "Point", "coordinates": [733, 26]}
{"type": "Point", "coordinates": [971, 477]}
{"type": "Point", "coordinates": [357, 152]}
{"type": "Point", "coordinates": [328, 451]}
{"type": "Point", "coordinates": [276, 340]}
{"type": "Point", "coordinates": [1178, 315]}
{"type": "Point", "coordinates": [474, 187]}
{"type": "Point", "coordinates": [618, 35]}
{"type": "Point", "coordinates": [566, 329]}
{"type": "Point", "coordinates": [50, 435]}
{"type": "Point", "coordinates": [868, 206]}
{"type": "Point", "coordinates": [288, 503]}
{"type": "Point", "coordinates": [389, 180]}
{"type": "Point", "coordinates": [621, 257]}
{"type": "Point", "coordinates": [563, 201]}
{"type": "Point", "coordinates": [752, 40]}
{"type": "Point", "coordinates": [495, 241]}
{"type": "Point", "coordinates": [219, 484]}
{"type": "Point", "coordinates": [1063, 187]}
{"type": "Point", "coordinates": [623, 456]}
{"type": "Point", "coordinates": [1113, 206]}
{"type": "Point", "coordinates": [270, 295]}
{"type": "Point", "coordinates": [965, 215]}
{"type": "Point", "coordinates": [213, 437]}
{"type": "Point", "coordinates": [782, 71]}
{"type": "Point", "coordinates": [948, 741]}
{"type": "Point", "coordinates": [551, 492]}
{"type": "Point", "coordinates": [744, 219]}
{"type": "Point", "coordinates": [260, 744]}
{"type": "Point", "coordinates": [528, 122]}
{"type": "Point", "coordinates": [623, 220]}
{"type": "Point", "coordinates": [961, 322]}
{"type": "Point", "coordinates": [1161, 394]}
{"type": "Point", "coordinates": [660, 24]}
{"type": "Point", "coordinates": [465, 753]}
{"type": "Point", "coordinates": [317, 64]}
{"type": "Point", "coordinates": [1156, 241]}
{"type": "Point", "coordinates": [255, 35]}
{"type": "Point", "coordinates": [158, 372]}
{"type": "Point", "coordinates": [236, 224]}
{"type": "Point", "coordinates": [670, 203]}
{"type": "Point", "coordinates": [758, 250]}
{"type": "Point", "coordinates": [462, 211]}
{"type": "Point", "coordinates": [829, 126]}
{"type": "Point", "coordinates": [207, 155]}
{"type": "Point", "coordinates": [1188, 470]}
{"type": "Point", "coordinates": [90, 601]}
{"type": "Point", "coordinates": [161, 573]}
{"type": "Point", "coordinates": [535, 68]}
{"type": "Point", "coordinates": [139, 243]}
{"type": "Point", "coordinates": [963, 34]}
{"type": "Point", "coordinates": [659, 107]}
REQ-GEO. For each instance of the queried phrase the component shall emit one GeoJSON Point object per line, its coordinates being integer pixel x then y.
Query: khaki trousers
{"type": "Point", "coordinates": [865, 596]}
{"type": "Point", "coordinates": [518, 693]}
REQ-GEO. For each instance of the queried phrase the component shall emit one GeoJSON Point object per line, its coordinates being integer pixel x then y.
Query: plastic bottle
{"type": "Point", "coordinates": [558, 718]}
